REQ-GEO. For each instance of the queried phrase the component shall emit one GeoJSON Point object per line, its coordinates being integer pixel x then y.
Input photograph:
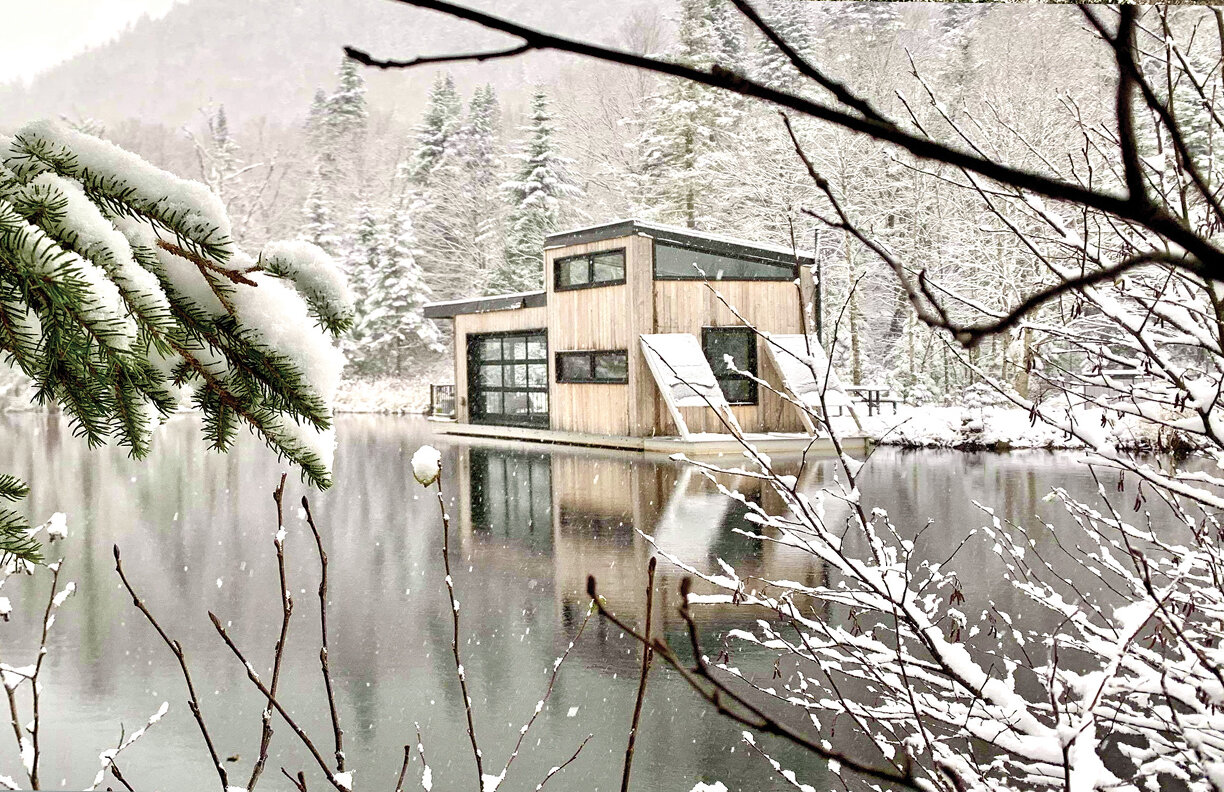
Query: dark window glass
{"type": "Point", "coordinates": [612, 366]}
{"type": "Point", "coordinates": [677, 263]}
{"type": "Point", "coordinates": [740, 344]}
{"type": "Point", "coordinates": [508, 378]}
{"type": "Point", "coordinates": [573, 368]}
{"type": "Point", "coordinates": [608, 266]}
{"type": "Point", "coordinates": [601, 366]}
{"type": "Point", "coordinates": [591, 269]}
{"type": "Point", "coordinates": [491, 375]}
{"type": "Point", "coordinates": [490, 349]}
{"type": "Point", "coordinates": [571, 272]}
{"type": "Point", "coordinates": [516, 402]}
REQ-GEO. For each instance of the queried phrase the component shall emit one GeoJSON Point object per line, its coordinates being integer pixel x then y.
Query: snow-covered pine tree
{"type": "Point", "coordinates": [121, 290]}
{"type": "Point", "coordinates": [346, 115]}
{"type": "Point", "coordinates": [314, 118]}
{"type": "Point", "coordinates": [437, 128]}
{"type": "Point", "coordinates": [393, 329]}
{"type": "Point", "coordinates": [688, 125]}
{"type": "Point", "coordinates": [789, 19]}
{"type": "Point", "coordinates": [537, 197]}
{"type": "Point", "coordinates": [318, 226]}
{"type": "Point", "coordinates": [479, 149]}
{"type": "Point", "coordinates": [363, 258]}
{"type": "Point", "coordinates": [440, 192]}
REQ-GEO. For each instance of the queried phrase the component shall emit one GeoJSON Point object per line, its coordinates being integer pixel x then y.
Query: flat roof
{"type": "Point", "coordinates": [500, 302]}
{"type": "Point", "coordinates": [685, 237]}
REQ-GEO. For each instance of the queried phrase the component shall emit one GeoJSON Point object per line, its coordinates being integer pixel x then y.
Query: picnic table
{"type": "Point", "coordinates": [874, 396]}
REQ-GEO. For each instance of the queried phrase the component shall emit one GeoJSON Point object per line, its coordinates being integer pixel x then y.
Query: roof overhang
{"type": "Point", "coordinates": [497, 302]}
{"type": "Point", "coordinates": [682, 237]}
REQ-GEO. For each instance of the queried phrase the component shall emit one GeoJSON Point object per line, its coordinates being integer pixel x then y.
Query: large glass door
{"type": "Point", "coordinates": [508, 378]}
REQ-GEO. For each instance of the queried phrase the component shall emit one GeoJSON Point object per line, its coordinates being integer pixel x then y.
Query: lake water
{"type": "Point", "coordinates": [529, 524]}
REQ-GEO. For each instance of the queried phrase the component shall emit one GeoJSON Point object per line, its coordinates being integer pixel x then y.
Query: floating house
{"type": "Point", "coordinates": [628, 346]}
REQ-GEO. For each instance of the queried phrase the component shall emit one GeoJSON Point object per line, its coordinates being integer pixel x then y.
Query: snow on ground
{"type": "Point", "coordinates": [388, 395]}
{"type": "Point", "coordinates": [1000, 428]}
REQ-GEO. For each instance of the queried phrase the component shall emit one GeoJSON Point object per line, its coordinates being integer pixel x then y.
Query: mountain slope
{"type": "Point", "coordinates": [266, 58]}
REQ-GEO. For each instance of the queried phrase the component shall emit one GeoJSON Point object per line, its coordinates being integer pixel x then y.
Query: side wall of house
{"type": "Point", "coordinates": [489, 322]}
{"type": "Point", "coordinates": [603, 318]}
{"type": "Point", "coordinates": [773, 306]}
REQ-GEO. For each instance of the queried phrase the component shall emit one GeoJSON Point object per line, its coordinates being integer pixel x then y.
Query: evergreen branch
{"type": "Point", "coordinates": [12, 488]}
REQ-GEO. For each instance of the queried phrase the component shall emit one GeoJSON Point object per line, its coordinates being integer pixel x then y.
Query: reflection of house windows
{"type": "Point", "coordinates": [597, 366]}
{"type": "Point", "coordinates": [731, 546]}
{"type": "Point", "coordinates": [614, 528]}
{"type": "Point", "coordinates": [512, 497]}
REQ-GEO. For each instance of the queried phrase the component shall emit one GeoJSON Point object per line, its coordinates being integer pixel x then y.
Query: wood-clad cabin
{"type": "Point", "coordinates": [571, 358]}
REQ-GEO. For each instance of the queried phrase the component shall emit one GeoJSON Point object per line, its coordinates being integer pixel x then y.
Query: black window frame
{"type": "Point", "coordinates": [590, 355]}
{"type": "Point", "coordinates": [792, 268]}
{"type": "Point", "coordinates": [719, 365]}
{"type": "Point", "coordinates": [590, 282]}
{"type": "Point", "coordinates": [476, 389]}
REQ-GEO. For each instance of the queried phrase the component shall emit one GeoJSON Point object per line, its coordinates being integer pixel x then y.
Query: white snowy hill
{"type": "Point", "coordinates": [266, 58]}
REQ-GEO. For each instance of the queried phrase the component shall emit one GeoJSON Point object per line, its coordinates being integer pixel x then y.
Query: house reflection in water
{"type": "Point", "coordinates": [564, 514]}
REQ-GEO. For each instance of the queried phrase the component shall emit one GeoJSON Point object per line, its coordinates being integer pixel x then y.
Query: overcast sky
{"type": "Point", "coordinates": [38, 34]}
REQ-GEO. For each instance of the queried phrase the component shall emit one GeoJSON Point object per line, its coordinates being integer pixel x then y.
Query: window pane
{"type": "Point", "coordinates": [492, 403]}
{"type": "Point", "coordinates": [517, 348]}
{"type": "Point", "coordinates": [491, 375]}
{"type": "Point", "coordinates": [490, 349]}
{"type": "Point", "coordinates": [573, 271]}
{"type": "Point", "coordinates": [518, 376]}
{"type": "Point", "coordinates": [538, 403]}
{"type": "Point", "coordinates": [736, 342]}
{"type": "Point", "coordinates": [609, 266]}
{"type": "Point", "coordinates": [536, 349]}
{"type": "Point", "coordinates": [612, 366]}
{"type": "Point", "coordinates": [736, 390]}
{"type": "Point", "coordinates": [537, 375]}
{"type": "Point", "coordinates": [516, 403]}
{"type": "Point", "coordinates": [574, 367]}
{"type": "Point", "coordinates": [672, 261]}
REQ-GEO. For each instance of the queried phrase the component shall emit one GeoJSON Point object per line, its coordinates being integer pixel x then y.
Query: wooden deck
{"type": "Point", "coordinates": [702, 445]}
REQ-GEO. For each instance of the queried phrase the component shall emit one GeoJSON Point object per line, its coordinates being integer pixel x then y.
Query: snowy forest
{"type": "Point", "coordinates": [924, 495]}
{"type": "Point", "coordinates": [455, 202]}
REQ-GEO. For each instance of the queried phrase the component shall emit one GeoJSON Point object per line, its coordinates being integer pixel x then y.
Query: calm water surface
{"type": "Point", "coordinates": [529, 525]}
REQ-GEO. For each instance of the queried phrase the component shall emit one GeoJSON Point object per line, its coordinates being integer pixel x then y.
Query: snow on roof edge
{"type": "Point", "coordinates": [649, 225]}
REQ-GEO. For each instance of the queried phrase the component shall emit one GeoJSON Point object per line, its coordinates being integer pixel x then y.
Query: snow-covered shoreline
{"type": "Point", "coordinates": [1006, 428]}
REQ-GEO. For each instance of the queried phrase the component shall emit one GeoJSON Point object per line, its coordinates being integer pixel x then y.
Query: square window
{"type": "Point", "coordinates": [537, 375]}
{"type": "Point", "coordinates": [490, 349]}
{"type": "Point", "coordinates": [608, 266]}
{"type": "Point", "coordinates": [536, 349]}
{"type": "Point", "coordinates": [538, 402]}
{"type": "Point", "coordinates": [516, 403]}
{"type": "Point", "coordinates": [518, 376]}
{"type": "Point", "coordinates": [737, 391]}
{"type": "Point", "coordinates": [518, 349]}
{"type": "Point", "coordinates": [491, 375]}
{"type": "Point", "coordinates": [573, 367]}
{"type": "Point", "coordinates": [574, 271]}
{"type": "Point", "coordinates": [612, 366]}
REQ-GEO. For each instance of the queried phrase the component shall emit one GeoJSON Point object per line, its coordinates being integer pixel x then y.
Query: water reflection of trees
{"type": "Point", "coordinates": [190, 516]}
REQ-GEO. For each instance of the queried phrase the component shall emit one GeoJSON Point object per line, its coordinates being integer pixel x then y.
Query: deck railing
{"type": "Point", "coordinates": [442, 401]}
